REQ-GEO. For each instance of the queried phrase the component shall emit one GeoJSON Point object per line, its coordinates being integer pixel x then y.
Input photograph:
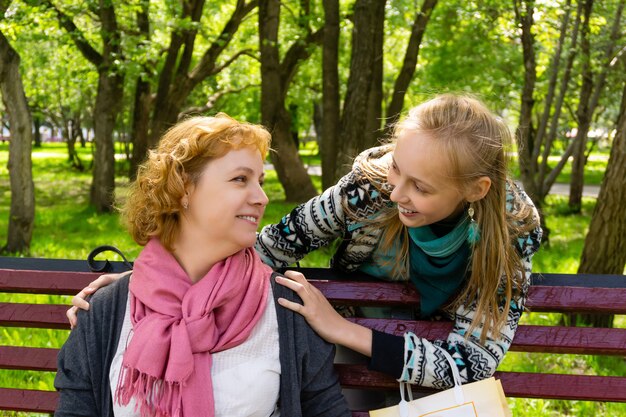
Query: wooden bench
{"type": "Point", "coordinates": [550, 293]}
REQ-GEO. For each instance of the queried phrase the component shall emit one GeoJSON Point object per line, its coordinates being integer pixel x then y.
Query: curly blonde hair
{"type": "Point", "coordinates": [153, 206]}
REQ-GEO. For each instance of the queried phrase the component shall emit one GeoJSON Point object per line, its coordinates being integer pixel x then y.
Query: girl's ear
{"type": "Point", "coordinates": [479, 189]}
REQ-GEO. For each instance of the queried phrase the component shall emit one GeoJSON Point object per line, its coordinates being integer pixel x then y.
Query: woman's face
{"type": "Point", "coordinates": [421, 189]}
{"type": "Point", "coordinates": [227, 203]}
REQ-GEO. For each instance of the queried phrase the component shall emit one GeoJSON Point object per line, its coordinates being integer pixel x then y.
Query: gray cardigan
{"type": "Point", "coordinates": [308, 385]}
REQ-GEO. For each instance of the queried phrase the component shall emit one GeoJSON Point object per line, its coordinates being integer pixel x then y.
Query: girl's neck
{"type": "Point", "coordinates": [444, 226]}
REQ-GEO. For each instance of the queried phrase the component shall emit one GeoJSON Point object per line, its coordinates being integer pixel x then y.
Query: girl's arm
{"type": "Point", "coordinates": [309, 226]}
{"type": "Point", "coordinates": [409, 358]}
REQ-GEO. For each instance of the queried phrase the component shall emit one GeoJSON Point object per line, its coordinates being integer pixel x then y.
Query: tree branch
{"type": "Point", "coordinates": [216, 70]}
{"type": "Point", "coordinates": [298, 52]}
{"type": "Point", "coordinates": [206, 66]}
{"type": "Point", "coordinates": [88, 51]}
{"type": "Point", "coordinates": [212, 100]}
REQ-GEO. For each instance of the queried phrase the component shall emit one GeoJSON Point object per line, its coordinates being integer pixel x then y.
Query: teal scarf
{"type": "Point", "coordinates": [438, 265]}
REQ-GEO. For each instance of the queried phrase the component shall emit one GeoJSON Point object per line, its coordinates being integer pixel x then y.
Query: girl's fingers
{"type": "Point", "coordinates": [291, 284]}
{"type": "Point", "coordinates": [104, 280]}
{"type": "Point", "coordinates": [296, 276]}
{"type": "Point", "coordinates": [79, 299]}
{"type": "Point", "coordinates": [71, 316]}
{"type": "Point", "coordinates": [290, 305]}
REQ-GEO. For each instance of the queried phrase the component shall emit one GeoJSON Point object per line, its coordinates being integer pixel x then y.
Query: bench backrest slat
{"type": "Point", "coordinates": [44, 316]}
{"type": "Point", "coordinates": [28, 400]}
{"type": "Point", "coordinates": [549, 339]}
{"type": "Point", "coordinates": [44, 282]}
{"type": "Point", "coordinates": [541, 298]}
{"type": "Point", "coordinates": [515, 384]}
{"type": "Point", "coordinates": [28, 358]}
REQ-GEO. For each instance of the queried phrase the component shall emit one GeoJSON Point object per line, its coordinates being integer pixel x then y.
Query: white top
{"type": "Point", "coordinates": [246, 378]}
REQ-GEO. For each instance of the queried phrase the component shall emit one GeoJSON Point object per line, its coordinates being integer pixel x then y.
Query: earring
{"type": "Point", "coordinates": [473, 231]}
{"type": "Point", "coordinates": [185, 205]}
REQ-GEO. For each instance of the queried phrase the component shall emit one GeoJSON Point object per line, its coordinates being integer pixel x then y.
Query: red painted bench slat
{"type": "Point", "coordinates": [28, 358]}
{"type": "Point", "coordinates": [46, 316]}
{"type": "Point", "coordinates": [28, 400]}
{"type": "Point", "coordinates": [44, 282]}
{"type": "Point", "coordinates": [540, 298]}
{"type": "Point", "coordinates": [515, 384]}
{"type": "Point", "coordinates": [576, 299]}
{"type": "Point", "coordinates": [549, 339]}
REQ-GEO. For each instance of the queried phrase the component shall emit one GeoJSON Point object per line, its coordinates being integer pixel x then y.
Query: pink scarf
{"type": "Point", "coordinates": [177, 325]}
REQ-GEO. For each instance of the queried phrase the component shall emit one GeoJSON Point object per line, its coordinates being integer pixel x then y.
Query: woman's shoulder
{"type": "Point", "coordinates": [111, 296]}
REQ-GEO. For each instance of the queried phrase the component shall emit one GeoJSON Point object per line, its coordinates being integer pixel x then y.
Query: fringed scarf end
{"type": "Point", "coordinates": [153, 396]}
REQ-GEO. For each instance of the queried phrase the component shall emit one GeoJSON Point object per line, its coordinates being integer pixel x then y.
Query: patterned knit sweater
{"type": "Point", "coordinates": [322, 220]}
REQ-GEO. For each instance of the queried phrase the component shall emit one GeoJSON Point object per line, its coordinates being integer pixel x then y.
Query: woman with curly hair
{"type": "Point", "coordinates": [194, 330]}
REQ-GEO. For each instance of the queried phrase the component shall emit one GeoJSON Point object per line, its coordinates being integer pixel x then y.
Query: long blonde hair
{"type": "Point", "coordinates": [153, 206]}
{"type": "Point", "coordinates": [475, 142]}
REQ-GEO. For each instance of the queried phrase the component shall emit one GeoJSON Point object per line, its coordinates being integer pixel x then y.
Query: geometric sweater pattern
{"type": "Point", "coordinates": [322, 220]}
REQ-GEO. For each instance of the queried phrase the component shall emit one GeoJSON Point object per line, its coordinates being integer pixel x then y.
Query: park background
{"type": "Point", "coordinates": [88, 86]}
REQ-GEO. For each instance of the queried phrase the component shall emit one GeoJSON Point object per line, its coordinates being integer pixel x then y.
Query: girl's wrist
{"type": "Point", "coordinates": [354, 336]}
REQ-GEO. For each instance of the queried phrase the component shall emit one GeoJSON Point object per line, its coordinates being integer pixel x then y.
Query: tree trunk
{"type": "Point", "coordinates": [353, 119]}
{"type": "Point", "coordinates": [553, 72]}
{"type": "Point", "coordinates": [110, 94]}
{"type": "Point", "coordinates": [373, 120]}
{"type": "Point", "coordinates": [72, 129]}
{"type": "Point", "coordinates": [140, 125]}
{"type": "Point", "coordinates": [605, 245]}
{"type": "Point", "coordinates": [108, 98]}
{"type": "Point", "coordinates": [543, 183]}
{"type": "Point", "coordinates": [330, 93]}
{"type": "Point", "coordinates": [590, 96]}
{"type": "Point", "coordinates": [524, 133]}
{"type": "Point", "coordinates": [275, 80]}
{"type": "Point", "coordinates": [408, 65]}
{"type": "Point", "coordinates": [36, 132]}
{"type": "Point", "coordinates": [22, 211]}
{"type": "Point", "coordinates": [141, 108]}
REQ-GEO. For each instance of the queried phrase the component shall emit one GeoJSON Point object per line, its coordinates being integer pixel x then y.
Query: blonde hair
{"type": "Point", "coordinates": [474, 141]}
{"type": "Point", "coordinates": [153, 206]}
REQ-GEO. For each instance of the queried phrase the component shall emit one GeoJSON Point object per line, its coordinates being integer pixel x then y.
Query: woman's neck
{"type": "Point", "coordinates": [197, 258]}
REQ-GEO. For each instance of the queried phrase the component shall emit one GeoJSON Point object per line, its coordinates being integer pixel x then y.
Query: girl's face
{"type": "Point", "coordinates": [227, 203]}
{"type": "Point", "coordinates": [421, 189]}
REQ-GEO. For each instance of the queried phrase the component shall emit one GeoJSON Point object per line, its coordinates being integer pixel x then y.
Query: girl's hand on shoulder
{"type": "Point", "coordinates": [316, 309]}
{"type": "Point", "coordinates": [78, 301]}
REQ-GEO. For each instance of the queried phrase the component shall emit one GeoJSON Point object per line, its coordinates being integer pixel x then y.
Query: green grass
{"type": "Point", "coordinates": [65, 227]}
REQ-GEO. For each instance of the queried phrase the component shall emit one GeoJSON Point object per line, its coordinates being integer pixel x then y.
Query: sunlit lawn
{"type": "Point", "coordinates": [65, 227]}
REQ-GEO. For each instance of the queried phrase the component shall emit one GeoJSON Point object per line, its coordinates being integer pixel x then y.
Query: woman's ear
{"type": "Point", "coordinates": [189, 187]}
{"type": "Point", "coordinates": [479, 189]}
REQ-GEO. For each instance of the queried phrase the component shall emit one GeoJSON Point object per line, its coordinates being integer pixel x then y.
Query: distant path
{"type": "Point", "coordinates": [559, 189]}
{"type": "Point", "coordinates": [588, 190]}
